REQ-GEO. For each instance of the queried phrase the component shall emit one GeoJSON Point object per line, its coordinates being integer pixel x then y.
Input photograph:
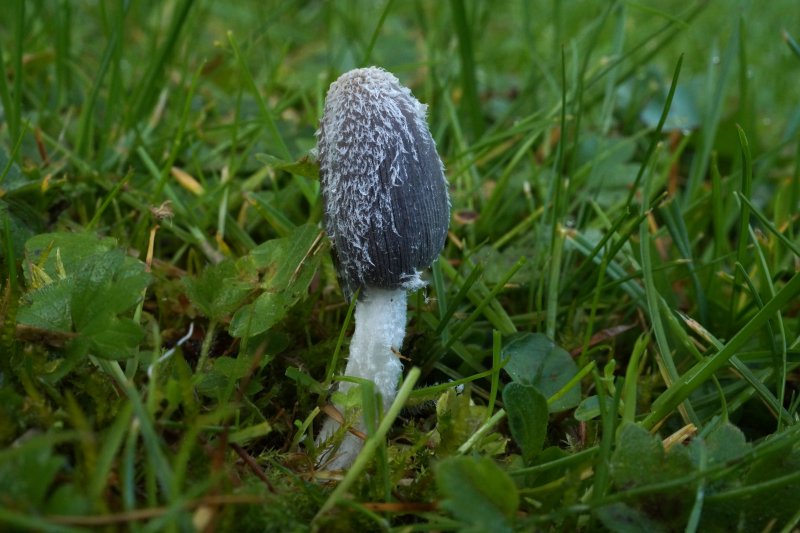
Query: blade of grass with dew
{"type": "Point", "coordinates": [614, 270]}
{"type": "Point", "coordinates": [651, 292]}
{"type": "Point", "coordinates": [756, 384]}
{"type": "Point", "coordinates": [441, 294]}
{"type": "Point", "coordinates": [656, 133]}
{"type": "Point", "coordinates": [608, 421]}
{"type": "Point", "coordinates": [632, 377]}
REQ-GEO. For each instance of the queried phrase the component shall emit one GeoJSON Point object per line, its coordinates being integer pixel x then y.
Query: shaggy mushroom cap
{"type": "Point", "coordinates": [383, 185]}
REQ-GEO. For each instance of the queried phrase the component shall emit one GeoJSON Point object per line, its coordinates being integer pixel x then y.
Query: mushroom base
{"type": "Point", "coordinates": [380, 328]}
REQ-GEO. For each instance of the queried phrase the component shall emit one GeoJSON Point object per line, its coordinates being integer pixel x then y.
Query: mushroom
{"type": "Point", "coordinates": [386, 214]}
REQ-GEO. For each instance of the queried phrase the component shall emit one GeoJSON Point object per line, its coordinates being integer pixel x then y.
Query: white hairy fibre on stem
{"type": "Point", "coordinates": [380, 327]}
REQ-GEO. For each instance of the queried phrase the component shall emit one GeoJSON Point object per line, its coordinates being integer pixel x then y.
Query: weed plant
{"type": "Point", "coordinates": [610, 340]}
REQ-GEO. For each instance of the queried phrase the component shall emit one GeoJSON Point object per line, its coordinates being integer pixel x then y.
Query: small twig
{"type": "Point", "coordinates": [154, 512]}
{"type": "Point", "coordinates": [400, 507]}
{"type": "Point", "coordinates": [254, 466]}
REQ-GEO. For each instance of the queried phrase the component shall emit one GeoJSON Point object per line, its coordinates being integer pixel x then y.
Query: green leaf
{"type": "Point", "coordinates": [26, 474]}
{"type": "Point", "coordinates": [69, 499]}
{"type": "Point", "coordinates": [457, 418]}
{"type": "Point", "coordinates": [742, 508]}
{"type": "Point", "coordinates": [621, 518]}
{"type": "Point", "coordinates": [12, 178]}
{"type": "Point", "coordinates": [85, 285]}
{"type": "Point", "coordinates": [589, 408]}
{"type": "Point", "coordinates": [533, 359]}
{"type": "Point", "coordinates": [71, 250]}
{"type": "Point", "coordinates": [726, 443]}
{"type": "Point", "coordinates": [21, 227]}
{"type": "Point", "coordinates": [288, 265]}
{"type": "Point", "coordinates": [114, 338]}
{"type": "Point", "coordinates": [477, 492]}
{"type": "Point", "coordinates": [108, 285]}
{"type": "Point", "coordinates": [231, 368]}
{"type": "Point", "coordinates": [640, 460]}
{"type": "Point", "coordinates": [222, 288]}
{"type": "Point", "coordinates": [48, 308]}
{"type": "Point", "coordinates": [527, 417]}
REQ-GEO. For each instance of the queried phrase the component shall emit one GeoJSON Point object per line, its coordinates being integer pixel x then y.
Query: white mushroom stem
{"type": "Point", "coordinates": [380, 328]}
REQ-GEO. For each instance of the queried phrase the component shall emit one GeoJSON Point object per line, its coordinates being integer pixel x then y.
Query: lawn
{"type": "Point", "coordinates": [609, 341]}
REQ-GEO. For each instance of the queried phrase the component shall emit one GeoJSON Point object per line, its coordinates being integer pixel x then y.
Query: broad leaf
{"type": "Point", "coordinates": [640, 460]}
{"type": "Point", "coordinates": [26, 474]}
{"type": "Point", "coordinates": [533, 359]}
{"type": "Point", "coordinates": [83, 285]}
{"type": "Point", "coordinates": [478, 492]}
{"type": "Point", "coordinates": [527, 418]}
{"type": "Point", "coordinates": [622, 518]}
{"type": "Point", "coordinates": [222, 288]}
{"type": "Point", "coordinates": [288, 265]}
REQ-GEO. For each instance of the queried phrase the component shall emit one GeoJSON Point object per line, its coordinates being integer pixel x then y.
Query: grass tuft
{"type": "Point", "coordinates": [610, 339]}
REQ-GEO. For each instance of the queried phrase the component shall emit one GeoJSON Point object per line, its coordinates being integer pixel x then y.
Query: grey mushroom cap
{"type": "Point", "coordinates": [383, 186]}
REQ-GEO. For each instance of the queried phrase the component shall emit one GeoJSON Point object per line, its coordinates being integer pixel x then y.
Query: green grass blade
{"type": "Point", "coordinates": [153, 77]}
{"type": "Point", "coordinates": [699, 373]}
{"type": "Point", "coordinates": [713, 116]}
{"type": "Point", "coordinates": [657, 133]}
{"type": "Point", "coordinates": [372, 443]}
{"type": "Point", "coordinates": [266, 114]}
{"type": "Point", "coordinates": [365, 62]}
{"type": "Point", "coordinates": [469, 82]}
{"type": "Point", "coordinates": [746, 187]}
{"type": "Point", "coordinates": [791, 43]}
{"type": "Point", "coordinates": [786, 241]}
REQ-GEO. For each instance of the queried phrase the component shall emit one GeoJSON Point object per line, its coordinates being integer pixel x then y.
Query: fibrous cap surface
{"type": "Point", "coordinates": [383, 185]}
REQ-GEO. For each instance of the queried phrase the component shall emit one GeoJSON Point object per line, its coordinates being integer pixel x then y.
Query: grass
{"type": "Point", "coordinates": [618, 296]}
